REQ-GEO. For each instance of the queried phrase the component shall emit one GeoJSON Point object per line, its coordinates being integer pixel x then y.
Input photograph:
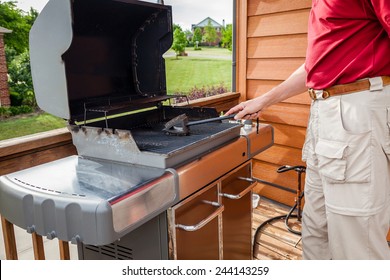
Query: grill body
{"type": "Point", "coordinates": [99, 64]}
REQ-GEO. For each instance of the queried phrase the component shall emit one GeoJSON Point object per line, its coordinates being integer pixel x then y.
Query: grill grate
{"type": "Point", "coordinates": [154, 140]}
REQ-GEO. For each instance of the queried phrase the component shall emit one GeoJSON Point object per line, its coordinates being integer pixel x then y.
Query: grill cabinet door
{"type": "Point", "coordinates": [194, 226]}
{"type": "Point", "coordinates": [236, 193]}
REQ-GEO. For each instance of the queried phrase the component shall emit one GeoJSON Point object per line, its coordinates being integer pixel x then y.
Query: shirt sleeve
{"type": "Point", "coordinates": [382, 11]}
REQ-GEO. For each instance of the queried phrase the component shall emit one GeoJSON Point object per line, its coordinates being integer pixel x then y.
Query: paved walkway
{"type": "Point", "coordinates": [199, 54]}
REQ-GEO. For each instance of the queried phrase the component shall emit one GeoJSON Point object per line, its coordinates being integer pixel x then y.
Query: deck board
{"type": "Point", "coordinates": [274, 241]}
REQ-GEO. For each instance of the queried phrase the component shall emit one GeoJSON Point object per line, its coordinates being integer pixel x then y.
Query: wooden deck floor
{"type": "Point", "coordinates": [274, 241]}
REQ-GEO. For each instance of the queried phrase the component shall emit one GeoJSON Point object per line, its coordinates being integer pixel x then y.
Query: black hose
{"type": "Point", "coordinates": [286, 219]}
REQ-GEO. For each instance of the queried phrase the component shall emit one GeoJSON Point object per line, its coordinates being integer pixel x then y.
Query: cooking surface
{"type": "Point", "coordinates": [139, 138]}
{"type": "Point", "coordinates": [157, 141]}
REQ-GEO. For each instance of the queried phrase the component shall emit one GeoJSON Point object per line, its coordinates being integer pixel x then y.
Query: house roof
{"type": "Point", "coordinates": [4, 30]}
{"type": "Point", "coordinates": [205, 22]}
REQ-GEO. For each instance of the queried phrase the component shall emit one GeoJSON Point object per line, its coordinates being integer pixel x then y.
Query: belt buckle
{"type": "Point", "coordinates": [325, 94]}
{"type": "Point", "coordinates": [313, 95]}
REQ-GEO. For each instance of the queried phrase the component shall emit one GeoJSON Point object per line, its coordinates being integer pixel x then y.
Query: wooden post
{"type": "Point", "coordinates": [241, 47]}
{"type": "Point", "coordinates": [39, 250]}
{"type": "Point", "coordinates": [64, 250]}
{"type": "Point", "coordinates": [9, 240]}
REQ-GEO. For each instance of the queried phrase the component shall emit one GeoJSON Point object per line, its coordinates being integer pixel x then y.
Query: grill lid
{"type": "Point", "coordinates": [99, 55]}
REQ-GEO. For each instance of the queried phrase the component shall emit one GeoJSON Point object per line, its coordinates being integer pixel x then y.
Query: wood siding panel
{"type": "Point", "coordinates": [267, 172]}
{"type": "Point", "coordinates": [291, 22]}
{"type": "Point", "coordinates": [278, 46]}
{"type": "Point", "coordinates": [290, 136]}
{"type": "Point", "coordinates": [296, 115]}
{"type": "Point", "coordinates": [288, 180]}
{"type": "Point", "coordinates": [258, 87]}
{"type": "Point", "coordinates": [275, 194]}
{"type": "Point", "coordinates": [281, 155]}
{"type": "Point", "coordinates": [272, 69]}
{"type": "Point", "coordinates": [260, 7]}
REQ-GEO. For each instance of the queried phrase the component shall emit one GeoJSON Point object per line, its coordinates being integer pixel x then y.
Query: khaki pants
{"type": "Point", "coordinates": [347, 189]}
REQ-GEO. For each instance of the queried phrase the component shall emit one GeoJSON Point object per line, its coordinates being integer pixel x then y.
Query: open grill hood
{"type": "Point", "coordinates": [87, 53]}
{"type": "Point", "coordinates": [95, 59]}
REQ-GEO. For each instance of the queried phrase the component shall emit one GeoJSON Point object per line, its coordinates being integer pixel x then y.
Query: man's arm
{"type": "Point", "coordinates": [250, 109]}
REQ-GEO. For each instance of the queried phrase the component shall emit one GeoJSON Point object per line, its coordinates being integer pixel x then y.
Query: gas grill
{"type": "Point", "coordinates": [99, 64]}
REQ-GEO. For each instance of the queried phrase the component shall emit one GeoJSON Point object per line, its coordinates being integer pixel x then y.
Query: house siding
{"type": "Point", "coordinates": [4, 90]}
{"type": "Point", "coordinates": [272, 36]}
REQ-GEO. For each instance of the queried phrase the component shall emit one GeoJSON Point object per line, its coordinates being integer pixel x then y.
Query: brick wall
{"type": "Point", "coordinates": [4, 90]}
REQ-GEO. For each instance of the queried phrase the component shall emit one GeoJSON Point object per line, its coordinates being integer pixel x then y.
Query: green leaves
{"type": "Point", "coordinates": [19, 23]}
{"type": "Point", "coordinates": [179, 41]}
{"type": "Point", "coordinates": [16, 49]}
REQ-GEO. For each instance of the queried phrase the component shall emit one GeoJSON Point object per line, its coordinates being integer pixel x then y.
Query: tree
{"type": "Point", "coordinates": [227, 37]}
{"type": "Point", "coordinates": [17, 51]}
{"type": "Point", "coordinates": [197, 38]}
{"type": "Point", "coordinates": [210, 34]}
{"type": "Point", "coordinates": [179, 42]}
{"type": "Point", "coordinates": [19, 22]}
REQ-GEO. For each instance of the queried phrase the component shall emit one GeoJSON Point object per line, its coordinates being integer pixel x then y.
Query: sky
{"type": "Point", "coordinates": [185, 12]}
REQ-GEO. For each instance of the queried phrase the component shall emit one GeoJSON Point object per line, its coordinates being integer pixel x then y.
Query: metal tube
{"type": "Point", "coordinates": [203, 222]}
{"type": "Point", "coordinates": [210, 120]}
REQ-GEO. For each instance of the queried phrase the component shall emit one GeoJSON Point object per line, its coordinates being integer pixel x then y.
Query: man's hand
{"type": "Point", "coordinates": [246, 110]}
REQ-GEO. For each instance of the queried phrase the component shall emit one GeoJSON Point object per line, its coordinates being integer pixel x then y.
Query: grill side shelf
{"type": "Point", "coordinates": [81, 200]}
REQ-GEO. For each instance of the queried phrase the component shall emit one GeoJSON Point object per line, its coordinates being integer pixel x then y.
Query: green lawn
{"type": "Point", "coordinates": [187, 72]}
{"type": "Point", "coordinates": [29, 124]}
{"type": "Point", "coordinates": [207, 67]}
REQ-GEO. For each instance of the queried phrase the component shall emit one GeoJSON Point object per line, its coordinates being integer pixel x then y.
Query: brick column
{"type": "Point", "coordinates": [4, 90]}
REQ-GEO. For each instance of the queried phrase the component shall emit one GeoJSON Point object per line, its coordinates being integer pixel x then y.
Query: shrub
{"type": "Point", "coordinates": [196, 93]}
{"type": "Point", "coordinates": [6, 112]}
{"type": "Point", "coordinates": [16, 98]}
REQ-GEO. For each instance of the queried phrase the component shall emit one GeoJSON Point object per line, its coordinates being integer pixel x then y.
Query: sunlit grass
{"type": "Point", "coordinates": [185, 73]}
{"type": "Point", "coordinates": [29, 124]}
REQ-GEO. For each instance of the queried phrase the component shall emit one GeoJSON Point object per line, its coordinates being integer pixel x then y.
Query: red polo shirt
{"type": "Point", "coordinates": [347, 40]}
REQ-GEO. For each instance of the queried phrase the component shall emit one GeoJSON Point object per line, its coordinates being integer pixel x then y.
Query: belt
{"type": "Point", "coordinates": [345, 88]}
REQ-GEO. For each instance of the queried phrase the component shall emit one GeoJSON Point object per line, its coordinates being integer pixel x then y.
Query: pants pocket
{"type": "Point", "coordinates": [340, 162]}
